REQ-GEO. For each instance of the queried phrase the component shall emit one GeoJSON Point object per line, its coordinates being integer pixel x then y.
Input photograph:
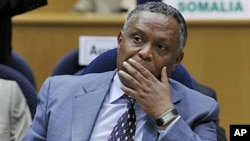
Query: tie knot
{"type": "Point", "coordinates": [131, 100]}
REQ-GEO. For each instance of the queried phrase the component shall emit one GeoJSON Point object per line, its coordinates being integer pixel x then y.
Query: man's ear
{"type": "Point", "coordinates": [178, 60]}
{"type": "Point", "coordinates": [119, 38]}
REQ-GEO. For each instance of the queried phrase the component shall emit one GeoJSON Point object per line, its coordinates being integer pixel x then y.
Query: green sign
{"type": "Point", "coordinates": [212, 9]}
{"type": "Point", "coordinates": [210, 6]}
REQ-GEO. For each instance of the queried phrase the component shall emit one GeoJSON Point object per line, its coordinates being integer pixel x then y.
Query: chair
{"type": "Point", "coordinates": [68, 64]}
{"type": "Point", "coordinates": [144, 1]}
{"type": "Point", "coordinates": [104, 62]}
{"type": "Point", "coordinates": [27, 88]}
{"type": "Point", "coordinates": [21, 65]}
{"type": "Point", "coordinates": [107, 62]}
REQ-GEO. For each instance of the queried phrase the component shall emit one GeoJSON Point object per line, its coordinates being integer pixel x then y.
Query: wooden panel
{"type": "Point", "coordinates": [217, 53]}
{"type": "Point", "coordinates": [218, 56]}
{"type": "Point", "coordinates": [43, 40]}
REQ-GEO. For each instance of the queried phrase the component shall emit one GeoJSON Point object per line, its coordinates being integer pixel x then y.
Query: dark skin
{"type": "Point", "coordinates": [147, 54]}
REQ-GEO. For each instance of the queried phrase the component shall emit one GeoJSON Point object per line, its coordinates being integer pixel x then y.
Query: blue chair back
{"type": "Point", "coordinates": [27, 88]}
{"type": "Point", "coordinates": [107, 62]}
{"type": "Point", "coordinates": [144, 1]}
{"type": "Point", "coordinates": [68, 64]}
{"type": "Point", "coordinates": [21, 65]}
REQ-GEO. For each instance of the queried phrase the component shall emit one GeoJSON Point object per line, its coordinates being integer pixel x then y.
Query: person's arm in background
{"type": "Point", "coordinates": [15, 114]}
{"type": "Point", "coordinates": [19, 113]}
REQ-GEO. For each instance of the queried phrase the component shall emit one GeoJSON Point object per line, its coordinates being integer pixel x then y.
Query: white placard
{"type": "Point", "coordinates": [92, 46]}
{"type": "Point", "coordinates": [212, 9]}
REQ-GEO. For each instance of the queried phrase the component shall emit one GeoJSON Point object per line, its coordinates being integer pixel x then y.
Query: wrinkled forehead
{"type": "Point", "coordinates": [155, 22]}
{"type": "Point", "coordinates": [157, 19]}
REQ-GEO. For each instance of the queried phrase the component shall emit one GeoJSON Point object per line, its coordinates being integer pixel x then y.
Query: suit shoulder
{"type": "Point", "coordinates": [194, 102]}
{"type": "Point", "coordinates": [87, 78]}
{"type": "Point", "coordinates": [68, 83]}
{"type": "Point", "coordinates": [192, 97]}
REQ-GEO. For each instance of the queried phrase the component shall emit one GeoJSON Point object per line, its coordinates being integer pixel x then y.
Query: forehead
{"type": "Point", "coordinates": [149, 21]}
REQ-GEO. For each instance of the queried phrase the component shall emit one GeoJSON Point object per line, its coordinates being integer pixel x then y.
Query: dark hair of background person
{"type": "Point", "coordinates": [8, 9]}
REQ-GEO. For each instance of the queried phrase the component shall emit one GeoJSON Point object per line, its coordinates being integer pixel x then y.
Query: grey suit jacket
{"type": "Point", "coordinates": [68, 107]}
{"type": "Point", "coordinates": [14, 112]}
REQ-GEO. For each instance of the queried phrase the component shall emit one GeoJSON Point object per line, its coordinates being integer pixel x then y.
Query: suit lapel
{"type": "Point", "coordinates": [86, 109]}
{"type": "Point", "coordinates": [87, 106]}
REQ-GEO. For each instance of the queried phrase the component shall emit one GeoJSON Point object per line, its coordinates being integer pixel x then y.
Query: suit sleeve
{"type": "Point", "coordinates": [38, 129]}
{"type": "Point", "coordinates": [202, 128]}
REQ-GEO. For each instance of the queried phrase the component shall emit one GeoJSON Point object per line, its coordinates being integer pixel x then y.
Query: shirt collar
{"type": "Point", "coordinates": [115, 90]}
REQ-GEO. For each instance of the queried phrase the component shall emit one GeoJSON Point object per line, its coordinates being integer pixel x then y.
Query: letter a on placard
{"type": "Point", "coordinates": [93, 50]}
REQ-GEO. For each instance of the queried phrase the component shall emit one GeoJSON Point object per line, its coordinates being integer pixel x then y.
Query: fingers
{"type": "Point", "coordinates": [139, 77]}
{"type": "Point", "coordinates": [129, 76]}
{"type": "Point", "coordinates": [164, 76]}
{"type": "Point", "coordinates": [130, 81]}
{"type": "Point", "coordinates": [149, 92]}
{"type": "Point", "coordinates": [136, 75]}
{"type": "Point", "coordinates": [137, 70]}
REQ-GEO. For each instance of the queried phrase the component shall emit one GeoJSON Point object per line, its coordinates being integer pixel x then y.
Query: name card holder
{"type": "Point", "coordinates": [92, 46]}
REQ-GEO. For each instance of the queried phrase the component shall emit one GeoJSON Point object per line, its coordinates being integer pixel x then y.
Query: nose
{"type": "Point", "coordinates": [146, 53]}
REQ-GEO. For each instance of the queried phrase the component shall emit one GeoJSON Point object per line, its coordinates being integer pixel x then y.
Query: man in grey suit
{"type": "Point", "coordinates": [150, 46]}
{"type": "Point", "coordinates": [15, 114]}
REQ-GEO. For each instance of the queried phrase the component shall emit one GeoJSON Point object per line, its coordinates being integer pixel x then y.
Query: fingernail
{"type": "Point", "coordinates": [165, 67]}
{"type": "Point", "coordinates": [125, 63]}
{"type": "Point", "coordinates": [131, 60]}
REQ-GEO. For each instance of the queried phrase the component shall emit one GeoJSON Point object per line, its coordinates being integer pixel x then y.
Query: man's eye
{"type": "Point", "coordinates": [137, 38]}
{"type": "Point", "coordinates": [162, 47]}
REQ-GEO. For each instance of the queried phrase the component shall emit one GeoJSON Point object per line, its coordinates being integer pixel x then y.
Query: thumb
{"type": "Point", "coordinates": [164, 76]}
